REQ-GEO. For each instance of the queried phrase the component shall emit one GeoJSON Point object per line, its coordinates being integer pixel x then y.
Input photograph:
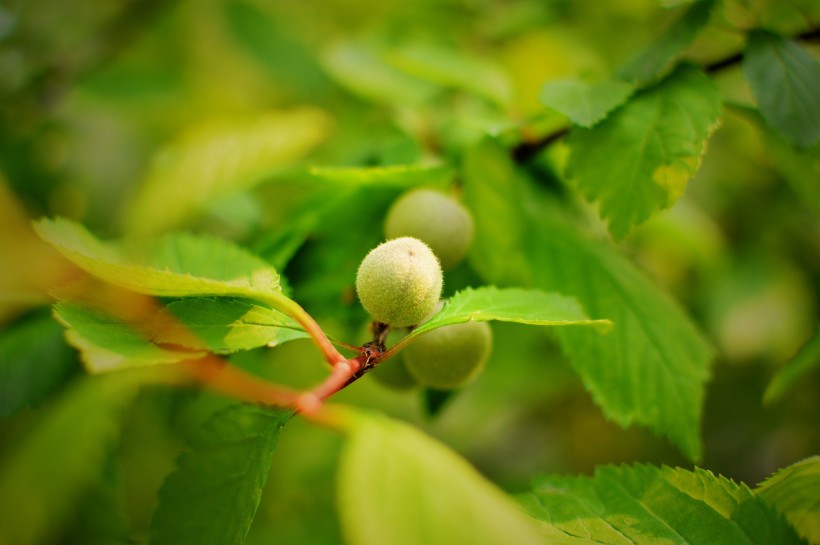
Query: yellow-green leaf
{"type": "Point", "coordinates": [219, 158]}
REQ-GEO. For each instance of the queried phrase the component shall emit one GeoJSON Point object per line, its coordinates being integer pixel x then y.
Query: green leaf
{"type": "Point", "coordinates": [494, 195]}
{"type": "Point", "coordinates": [363, 70]}
{"type": "Point", "coordinates": [262, 36]}
{"type": "Point", "coordinates": [639, 159]}
{"type": "Point", "coordinates": [794, 491]}
{"type": "Point", "coordinates": [212, 495]}
{"type": "Point", "coordinates": [656, 60]}
{"type": "Point", "coordinates": [51, 467]}
{"type": "Point", "coordinates": [644, 505]}
{"type": "Point", "coordinates": [784, 78]}
{"type": "Point", "coordinates": [386, 472]}
{"type": "Point", "coordinates": [101, 516]}
{"type": "Point", "coordinates": [450, 68]}
{"type": "Point", "coordinates": [523, 306]}
{"type": "Point", "coordinates": [400, 176]}
{"type": "Point", "coordinates": [181, 265]}
{"type": "Point", "coordinates": [805, 362]}
{"type": "Point", "coordinates": [224, 325]}
{"type": "Point", "coordinates": [109, 344]}
{"type": "Point", "coordinates": [652, 367]}
{"type": "Point", "coordinates": [583, 103]}
{"type": "Point", "coordinates": [340, 189]}
{"type": "Point", "coordinates": [34, 360]}
{"type": "Point", "coordinates": [219, 158]}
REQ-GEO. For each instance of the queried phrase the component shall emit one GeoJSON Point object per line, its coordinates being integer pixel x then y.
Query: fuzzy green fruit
{"type": "Point", "coordinates": [450, 356]}
{"type": "Point", "coordinates": [399, 282]}
{"type": "Point", "coordinates": [433, 217]}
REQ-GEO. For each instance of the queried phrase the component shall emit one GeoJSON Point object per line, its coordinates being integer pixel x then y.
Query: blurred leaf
{"type": "Point", "coordinates": [793, 492]}
{"type": "Point", "coordinates": [109, 344]}
{"type": "Point", "coordinates": [800, 168]}
{"type": "Point", "coordinates": [51, 467]}
{"type": "Point", "coordinates": [181, 265]}
{"type": "Point", "coordinates": [101, 517]}
{"type": "Point", "coordinates": [339, 190]}
{"type": "Point", "coordinates": [220, 158]}
{"type": "Point", "coordinates": [639, 159]}
{"type": "Point", "coordinates": [395, 175]}
{"type": "Point", "coordinates": [450, 68]}
{"type": "Point", "coordinates": [492, 192]}
{"type": "Point", "coordinates": [434, 400]}
{"type": "Point", "coordinates": [212, 496]}
{"type": "Point", "coordinates": [784, 78]}
{"type": "Point", "coordinates": [522, 306]}
{"type": "Point", "coordinates": [34, 360]}
{"type": "Point", "coordinates": [645, 505]}
{"type": "Point", "coordinates": [652, 367]}
{"type": "Point", "coordinates": [362, 69]}
{"type": "Point", "coordinates": [225, 325]}
{"type": "Point", "coordinates": [392, 486]}
{"type": "Point", "coordinates": [262, 37]}
{"type": "Point", "coordinates": [583, 103]}
{"type": "Point", "coordinates": [656, 60]}
{"type": "Point", "coordinates": [805, 362]}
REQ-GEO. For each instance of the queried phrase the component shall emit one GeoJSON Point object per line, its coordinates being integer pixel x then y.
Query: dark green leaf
{"type": "Point", "coordinates": [34, 360]}
{"type": "Point", "coordinates": [639, 160]}
{"type": "Point", "coordinates": [50, 468]}
{"type": "Point", "coordinates": [652, 367]}
{"type": "Point", "coordinates": [101, 517]}
{"type": "Point", "coordinates": [655, 60]}
{"type": "Point", "coordinates": [644, 505]}
{"type": "Point", "coordinates": [385, 493]}
{"type": "Point", "coordinates": [583, 103]}
{"type": "Point", "coordinates": [435, 400]}
{"type": "Point", "coordinates": [794, 491]}
{"type": "Point", "coordinates": [785, 78]}
{"type": "Point", "coordinates": [212, 496]}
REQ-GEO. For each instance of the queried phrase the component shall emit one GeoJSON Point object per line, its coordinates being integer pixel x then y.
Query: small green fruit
{"type": "Point", "coordinates": [450, 356]}
{"type": "Point", "coordinates": [393, 374]}
{"type": "Point", "coordinates": [433, 217]}
{"type": "Point", "coordinates": [399, 282]}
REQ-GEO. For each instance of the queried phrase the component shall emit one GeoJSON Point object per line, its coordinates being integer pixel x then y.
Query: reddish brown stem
{"type": "Point", "coordinates": [218, 375]}
{"type": "Point", "coordinates": [329, 351]}
{"type": "Point", "coordinates": [343, 373]}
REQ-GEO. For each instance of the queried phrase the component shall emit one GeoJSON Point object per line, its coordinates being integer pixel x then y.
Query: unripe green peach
{"type": "Point", "coordinates": [435, 218]}
{"type": "Point", "coordinates": [450, 356]}
{"type": "Point", "coordinates": [393, 374]}
{"type": "Point", "coordinates": [399, 282]}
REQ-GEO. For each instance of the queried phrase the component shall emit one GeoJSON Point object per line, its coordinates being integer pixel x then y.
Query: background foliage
{"type": "Point", "coordinates": [657, 161]}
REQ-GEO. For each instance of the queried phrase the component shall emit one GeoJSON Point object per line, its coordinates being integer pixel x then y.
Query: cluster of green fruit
{"type": "Point", "coordinates": [399, 284]}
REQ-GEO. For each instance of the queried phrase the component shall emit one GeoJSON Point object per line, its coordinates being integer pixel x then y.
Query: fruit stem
{"type": "Point", "coordinates": [295, 311]}
{"type": "Point", "coordinates": [215, 373]}
{"type": "Point", "coordinates": [343, 374]}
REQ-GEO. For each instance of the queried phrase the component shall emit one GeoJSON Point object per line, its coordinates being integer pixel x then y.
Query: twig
{"type": "Point", "coordinates": [295, 311]}
{"type": "Point", "coordinates": [218, 375]}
